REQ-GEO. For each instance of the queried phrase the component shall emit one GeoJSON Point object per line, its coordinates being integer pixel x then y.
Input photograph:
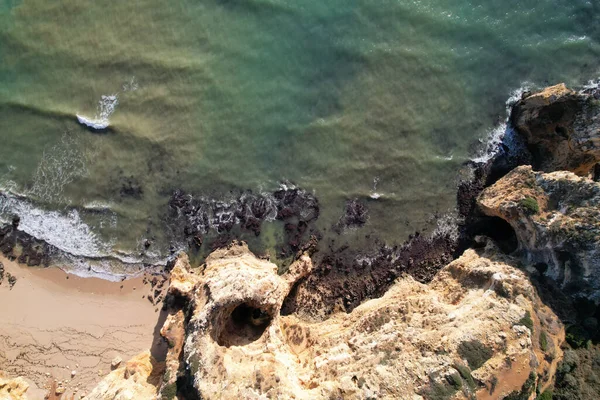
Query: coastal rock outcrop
{"type": "Point", "coordinates": [478, 328]}
{"type": "Point", "coordinates": [139, 378]}
{"type": "Point", "coordinates": [13, 388]}
{"type": "Point", "coordinates": [561, 127]}
{"type": "Point", "coordinates": [556, 218]}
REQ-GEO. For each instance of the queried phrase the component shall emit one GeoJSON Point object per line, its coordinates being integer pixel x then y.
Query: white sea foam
{"type": "Point", "coordinates": [106, 107]}
{"type": "Point", "coordinates": [60, 165]}
{"type": "Point", "coordinates": [131, 86]}
{"type": "Point", "coordinates": [574, 39]}
{"type": "Point", "coordinates": [82, 252]}
{"type": "Point", "coordinates": [592, 84]}
{"type": "Point", "coordinates": [374, 194]}
{"type": "Point", "coordinates": [65, 231]}
{"type": "Point", "coordinates": [497, 134]}
{"type": "Point", "coordinates": [447, 226]}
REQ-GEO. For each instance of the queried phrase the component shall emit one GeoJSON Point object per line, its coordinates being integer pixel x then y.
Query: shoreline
{"type": "Point", "coordinates": [53, 323]}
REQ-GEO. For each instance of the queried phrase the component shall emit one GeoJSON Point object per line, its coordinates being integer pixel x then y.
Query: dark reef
{"type": "Point", "coordinates": [192, 217]}
{"type": "Point", "coordinates": [18, 245]}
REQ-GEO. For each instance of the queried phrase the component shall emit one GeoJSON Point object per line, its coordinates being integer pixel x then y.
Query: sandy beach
{"type": "Point", "coordinates": [53, 324]}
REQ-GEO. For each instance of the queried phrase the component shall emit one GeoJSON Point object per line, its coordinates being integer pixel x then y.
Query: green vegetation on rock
{"type": "Point", "coordinates": [465, 373]}
{"type": "Point", "coordinates": [440, 391]}
{"type": "Point", "coordinates": [527, 321]}
{"type": "Point", "coordinates": [455, 380]}
{"type": "Point", "coordinates": [543, 341]}
{"type": "Point", "coordinates": [475, 352]}
{"type": "Point", "coordinates": [170, 391]}
{"type": "Point", "coordinates": [578, 375]}
{"type": "Point", "coordinates": [530, 205]}
{"type": "Point", "coordinates": [577, 336]}
{"type": "Point", "coordinates": [547, 395]}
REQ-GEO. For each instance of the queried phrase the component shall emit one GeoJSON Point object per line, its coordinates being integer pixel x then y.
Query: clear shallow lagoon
{"type": "Point", "coordinates": [344, 98]}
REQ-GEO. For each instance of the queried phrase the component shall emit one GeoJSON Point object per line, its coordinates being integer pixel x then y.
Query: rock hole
{"type": "Point", "coordinates": [499, 230]}
{"type": "Point", "coordinates": [245, 324]}
{"type": "Point", "coordinates": [562, 132]}
{"type": "Point", "coordinates": [541, 267]}
{"type": "Point", "coordinates": [290, 303]}
{"type": "Point", "coordinates": [596, 173]}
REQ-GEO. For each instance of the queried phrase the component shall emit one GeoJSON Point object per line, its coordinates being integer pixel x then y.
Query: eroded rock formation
{"type": "Point", "coordinates": [556, 217]}
{"type": "Point", "coordinates": [562, 128]}
{"type": "Point", "coordinates": [235, 328]}
{"type": "Point", "coordinates": [476, 329]}
{"type": "Point", "coordinates": [139, 378]}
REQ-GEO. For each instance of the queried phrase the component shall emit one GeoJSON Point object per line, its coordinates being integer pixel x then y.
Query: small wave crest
{"type": "Point", "coordinates": [106, 107]}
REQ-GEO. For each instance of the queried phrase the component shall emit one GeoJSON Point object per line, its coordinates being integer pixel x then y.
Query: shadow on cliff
{"type": "Point", "coordinates": [159, 347]}
{"type": "Point", "coordinates": [579, 315]}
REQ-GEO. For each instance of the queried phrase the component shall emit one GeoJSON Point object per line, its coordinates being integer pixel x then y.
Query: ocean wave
{"type": "Point", "coordinates": [575, 39]}
{"type": "Point", "coordinates": [79, 249]}
{"type": "Point", "coordinates": [106, 107]}
{"type": "Point", "coordinates": [65, 231]}
{"type": "Point", "coordinates": [107, 268]}
{"type": "Point", "coordinates": [592, 84]}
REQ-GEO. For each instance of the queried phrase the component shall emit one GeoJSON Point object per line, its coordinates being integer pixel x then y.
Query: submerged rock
{"type": "Point", "coordinates": [561, 127]}
{"type": "Point", "coordinates": [26, 249]}
{"type": "Point", "coordinates": [355, 215]}
{"type": "Point", "coordinates": [192, 217]}
{"type": "Point", "coordinates": [12, 280]}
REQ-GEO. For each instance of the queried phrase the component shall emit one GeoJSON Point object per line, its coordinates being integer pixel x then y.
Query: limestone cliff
{"type": "Point", "coordinates": [137, 379]}
{"type": "Point", "coordinates": [561, 127]}
{"type": "Point", "coordinates": [476, 329]}
{"type": "Point", "coordinates": [556, 217]}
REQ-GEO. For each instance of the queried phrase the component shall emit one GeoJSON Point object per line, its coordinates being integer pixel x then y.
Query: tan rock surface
{"type": "Point", "coordinates": [12, 389]}
{"type": "Point", "coordinates": [561, 127]}
{"type": "Point", "coordinates": [563, 232]}
{"type": "Point", "coordinates": [137, 379]}
{"type": "Point", "coordinates": [407, 344]}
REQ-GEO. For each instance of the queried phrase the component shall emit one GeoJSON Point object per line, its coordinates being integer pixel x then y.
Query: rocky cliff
{"type": "Point", "coordinates": [556, 217]}
{"type": "Point", "coordinates": [561, 127]}
{"type": "Point", "coordinates": [137, 379]}
{"type": "Point", "coordinates": [478, 329]}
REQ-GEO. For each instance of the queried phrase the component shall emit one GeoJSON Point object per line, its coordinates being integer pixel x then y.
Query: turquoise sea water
{"type": "Point", "coordinates": [344, 98]}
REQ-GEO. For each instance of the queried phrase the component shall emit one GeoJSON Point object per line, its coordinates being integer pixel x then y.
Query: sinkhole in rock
{"type": "Point", "coordinates": [499, 230]}
{"type": "Point", "coordinates": [243, 324]}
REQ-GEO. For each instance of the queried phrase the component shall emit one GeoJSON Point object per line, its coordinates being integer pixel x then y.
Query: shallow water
{"type": "Point", "coordinates": [376, 100]}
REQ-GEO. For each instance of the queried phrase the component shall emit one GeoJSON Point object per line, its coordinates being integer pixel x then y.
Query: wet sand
{"type": "Point", "coordinates": [53, 323]}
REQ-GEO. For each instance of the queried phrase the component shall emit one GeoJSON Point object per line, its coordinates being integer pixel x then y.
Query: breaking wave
{"type": "Point", "coordinates": [106, 107]}
{"type": "Point", "coordinates": [503, 132]}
